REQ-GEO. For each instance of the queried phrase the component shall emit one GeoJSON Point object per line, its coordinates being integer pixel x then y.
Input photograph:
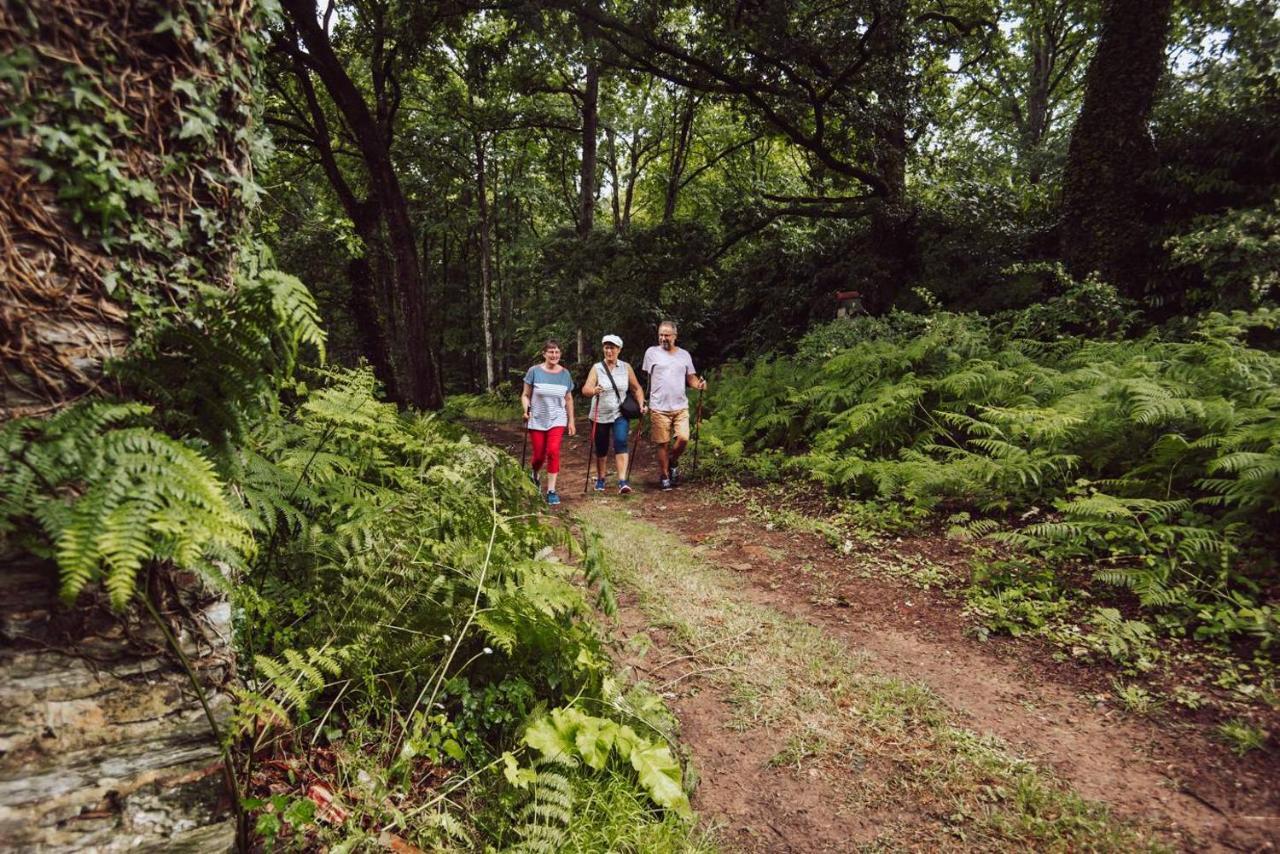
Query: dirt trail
{"type": "Point", "coordinates": [1166, 776]}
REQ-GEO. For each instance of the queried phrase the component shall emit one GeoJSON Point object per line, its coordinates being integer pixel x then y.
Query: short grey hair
{"type": "Point", "coordinates": [669, 323]}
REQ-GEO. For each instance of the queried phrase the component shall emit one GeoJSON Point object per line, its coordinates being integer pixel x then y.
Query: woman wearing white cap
{"type": "Point", "coordinates": [608, 383]}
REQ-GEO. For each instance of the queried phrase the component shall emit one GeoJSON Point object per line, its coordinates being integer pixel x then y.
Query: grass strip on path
{"type": "Point", "coordinates": [886, 745]}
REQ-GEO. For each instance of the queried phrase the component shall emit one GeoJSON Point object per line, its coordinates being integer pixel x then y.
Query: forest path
{"type": "Point", "coordinates": [827, 710]}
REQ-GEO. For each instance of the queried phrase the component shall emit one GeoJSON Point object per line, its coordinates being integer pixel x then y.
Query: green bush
{"type": "Point", "coordinates": [1156, 462]}
{"type": "Point", "coordinates": [407, 601]}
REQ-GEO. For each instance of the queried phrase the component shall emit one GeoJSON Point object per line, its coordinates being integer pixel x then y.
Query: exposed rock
{"type": "Point", "coordinates": [103, 742]}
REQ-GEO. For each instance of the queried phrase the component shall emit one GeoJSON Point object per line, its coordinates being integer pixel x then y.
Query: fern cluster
{"type": "Point", "coordinates": [403, 569]}
{"type": "Point", "coordinates": [114, 486]}
{"type": "Point", "coordinates": [109, 494]}
{"type": "Point", "coordinates": [1160, 458]}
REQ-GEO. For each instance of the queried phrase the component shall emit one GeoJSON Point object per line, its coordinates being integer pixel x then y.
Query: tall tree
{"type": "Point", "coordinates": [1111, 147]}
{"type": "Point", "coordinates": [1022, 82]}
{"type": "Point", "coordinates": [587, 173]}
{"type": "Point", "coordinates": [381, 216]}
{"type": "Point", "coordinates": [836, 80]}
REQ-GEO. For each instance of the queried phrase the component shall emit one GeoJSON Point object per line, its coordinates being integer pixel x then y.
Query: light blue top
{"type": "Point", "coordinates": [547, 402]}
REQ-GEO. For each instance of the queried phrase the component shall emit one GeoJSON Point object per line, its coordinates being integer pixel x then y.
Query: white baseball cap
{"type": "Point", "coordinates": [611, 339]}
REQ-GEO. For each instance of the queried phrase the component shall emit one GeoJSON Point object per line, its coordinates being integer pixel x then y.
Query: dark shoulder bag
{"type": "Point", "coordinates": [630, 407]}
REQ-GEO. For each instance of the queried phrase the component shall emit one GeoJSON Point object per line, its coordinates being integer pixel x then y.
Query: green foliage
{"type": "Point", "coordinates": [385, 530]}
{"type": "Point", "coordinates": [567, 733]}
{"type": "Point", "coordinates": [1134, 698]}
{"type": "Point", "coordinates": [1242, 736]}
{"type": "Point", "coordinates": [1090, 308]}
{"type": "Point", "coordinates": [494, 406]}
{"type": "Point", "coordinates": [1013, 596]}
{"type": "Point", "coordinates": [112, 495]}
{"type": "Point", "coordinates": [1237, 252]}
{"type": "Point", "coordinates": [404, 579]}
{"type": "Point", "coordinates": [215, 374]}
{"type": "Point", "coordinates": [1159, 458]}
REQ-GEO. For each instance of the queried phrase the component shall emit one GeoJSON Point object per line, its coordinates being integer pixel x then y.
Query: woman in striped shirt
{"type": "Point", "coordinates": [547, 400]}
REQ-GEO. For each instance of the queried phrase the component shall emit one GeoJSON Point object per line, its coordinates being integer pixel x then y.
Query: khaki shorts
{"type": "Point", "coordinates": [663, 424]}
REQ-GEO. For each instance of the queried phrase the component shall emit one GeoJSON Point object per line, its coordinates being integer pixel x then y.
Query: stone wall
{"type": "Point", "coordinates": [103, 742]}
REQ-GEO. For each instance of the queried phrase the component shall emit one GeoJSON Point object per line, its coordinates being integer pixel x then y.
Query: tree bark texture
{"type": "Point", "coordinates": [61, 309]}
{"type": "Point", "coordinates": [1111, 147]}
{"type": "Point", "coordinates": [105, 746]}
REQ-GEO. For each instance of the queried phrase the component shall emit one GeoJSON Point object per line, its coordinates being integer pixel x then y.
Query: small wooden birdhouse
{"type": "Point", "coordinates": [848, 303]}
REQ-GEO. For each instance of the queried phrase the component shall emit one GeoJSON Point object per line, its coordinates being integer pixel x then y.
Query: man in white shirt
{"type": "Point", "coordinates": [670, 371]}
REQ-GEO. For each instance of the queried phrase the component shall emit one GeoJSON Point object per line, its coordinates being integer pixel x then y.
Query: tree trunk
{"type": "Point", "coordinates": [892, 227]}
{"type": "Point", "coordinates": [363, 305]}
{"type": "Point", "coordinates": [681, 133]}
{"type": "Point", "coordinates": [615, 199]}
{"type": "Point", "coordinates": [1111, 148]}
{"type": "Point", "coordinates": [486, 263]}
{"type": "Point", "coordinates": [1037, 117]}
{"type": "Point", "coordinates": [587, 174]}
{"type": "Point", "coordinates": [413, 358]}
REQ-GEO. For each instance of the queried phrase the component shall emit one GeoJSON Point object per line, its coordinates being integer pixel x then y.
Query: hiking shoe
{"type": "Point", "coordinates": [599, 484]}
{"type": "Point", "coordinates": [665, 484]}
{"type": "Point", "coordinates": [624, 488]}
{"type": "Point", "coordinates": [675, 476]}
{"type": "Point", "coordinates": [553, 498]}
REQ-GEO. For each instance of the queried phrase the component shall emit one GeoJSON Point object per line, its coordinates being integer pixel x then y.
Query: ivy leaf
{"type": "Point", "coordinates": [194, 126]}
{"type": "Point", "coordinates": [454, 750]}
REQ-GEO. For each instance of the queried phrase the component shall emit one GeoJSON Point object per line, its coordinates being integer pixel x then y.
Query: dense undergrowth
{"type": "Point", "coordinates": [1151, 463]}
{"type": "Point", "coordinates": [409, 608]}
{"type": "Point", "coordinates": [411, 644]}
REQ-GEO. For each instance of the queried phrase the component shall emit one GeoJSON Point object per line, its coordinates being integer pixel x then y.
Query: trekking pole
{"type": "Point", "coordinates": [696, 425]}
{"type": "Point", "coordinates": [591, 446]}
{"type": "Point", "coordinates": [524, 443]}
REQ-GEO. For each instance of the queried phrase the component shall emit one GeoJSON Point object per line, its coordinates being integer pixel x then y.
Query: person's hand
{"type": "Point", "coordinates": [573, 429]}
{"type": "Point", "coordinates": [703, 387]}
{"type": "Point", "coordinates": [526, 415]}
{"type": "Point", "coordinates": [644, 407]}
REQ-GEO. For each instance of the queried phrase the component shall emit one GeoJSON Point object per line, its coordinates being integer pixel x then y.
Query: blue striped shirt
{"type": "Point", "coordinates": [547, 402]}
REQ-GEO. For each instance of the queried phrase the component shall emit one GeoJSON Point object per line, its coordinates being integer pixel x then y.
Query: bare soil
{"type": "Point", "coordinates": [1166, 772]}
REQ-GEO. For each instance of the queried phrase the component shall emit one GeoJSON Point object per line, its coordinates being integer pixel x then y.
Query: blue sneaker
{"type": "Point", "coordinates": [624, 488]}
{"type": "Point", "coordinates": [664, 484]}
{"type": "Point", "coordinates": [675, 476]}
{"type": "Point", "coordinates": [599, 484]}
{"type": "Point", "coordinates": [553, 498]}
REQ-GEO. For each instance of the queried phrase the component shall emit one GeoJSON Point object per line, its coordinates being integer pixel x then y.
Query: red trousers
{"type": "Point", "coordinates": [546, 446]}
